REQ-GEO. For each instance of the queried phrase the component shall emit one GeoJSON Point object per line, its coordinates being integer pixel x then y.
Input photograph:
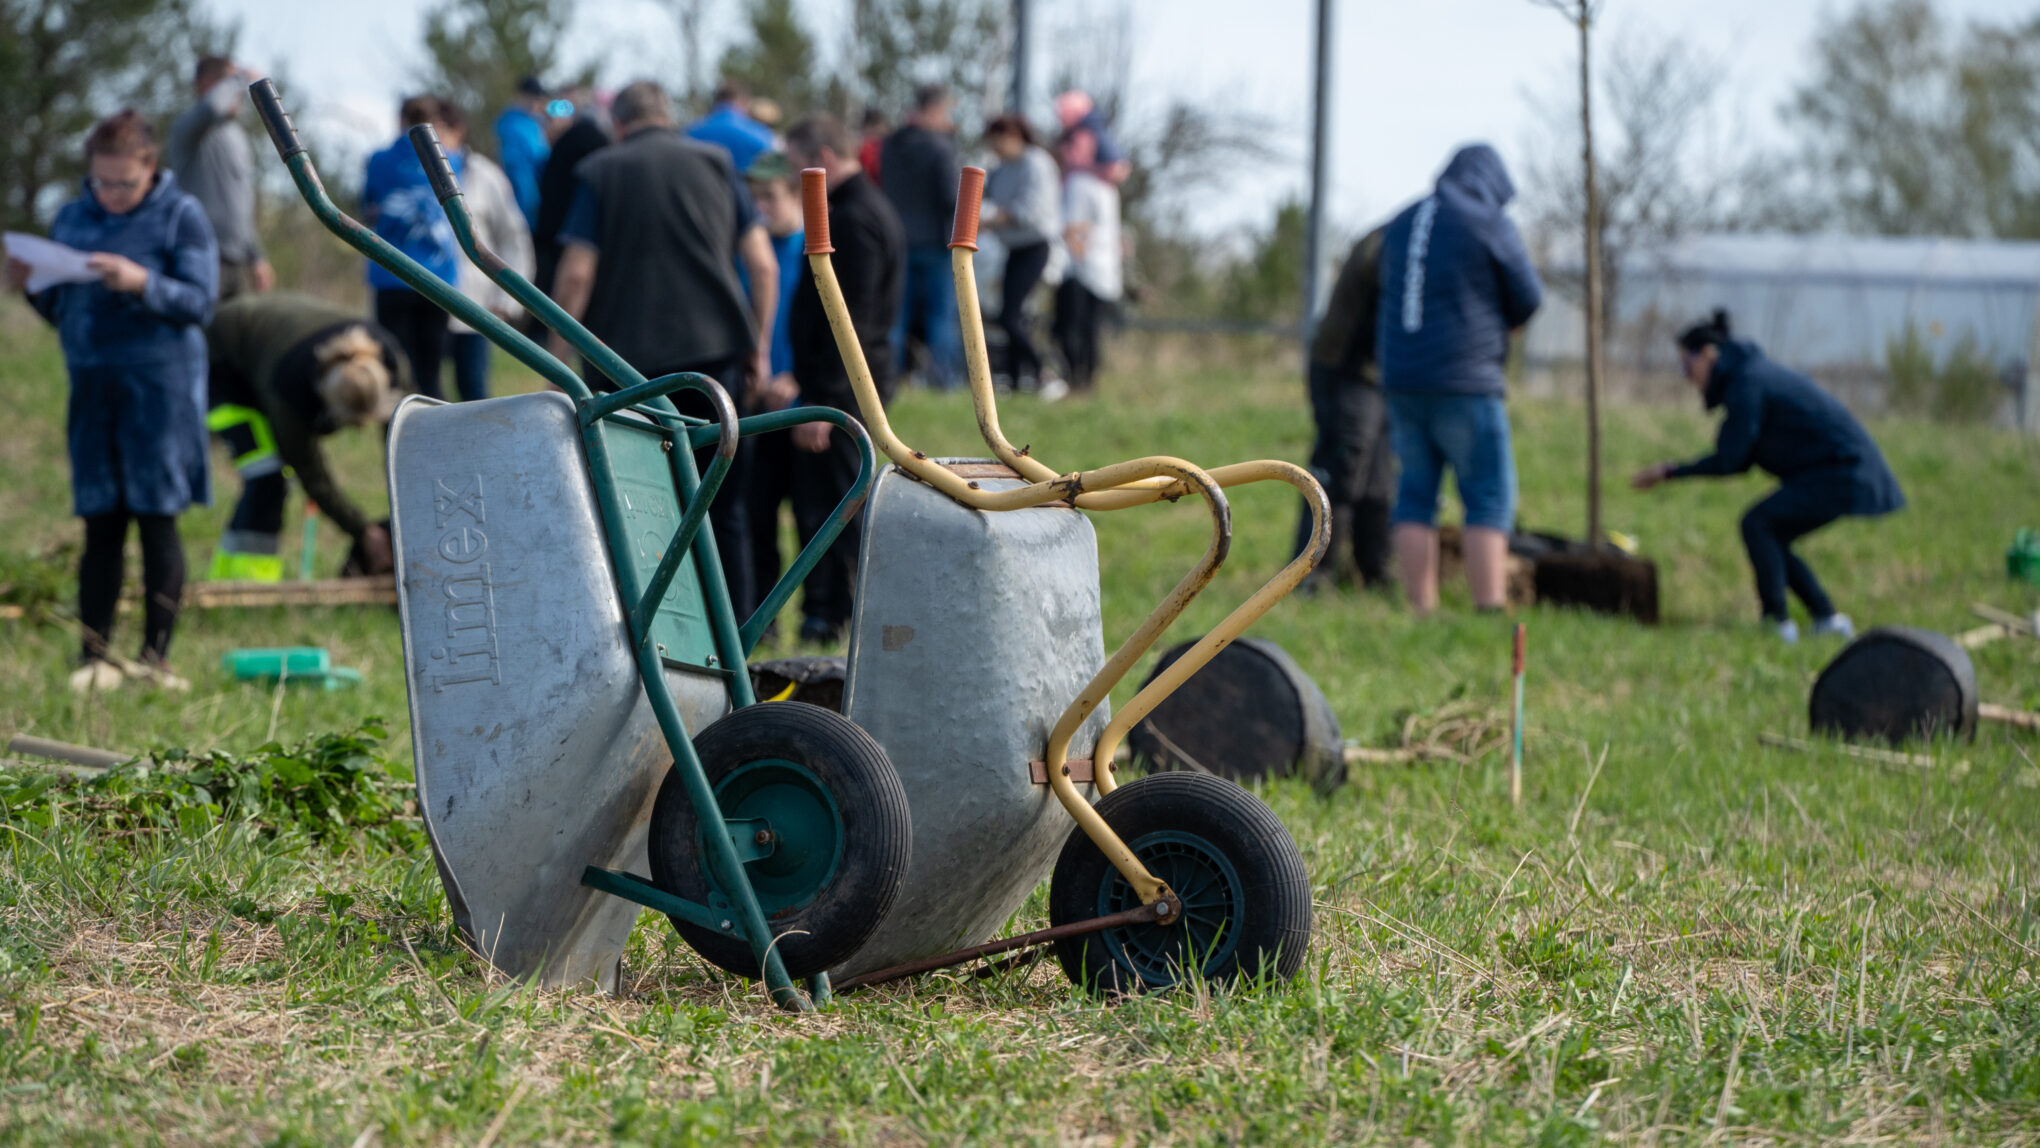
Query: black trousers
{"type": "Point", "coordinates": [1024, 266]}
{"type": "Point", "coordinates": [769, 486]}
{"type": "Point", "coordinates": [1769, 529]}
{"type": "Point", "coordinates": [420, 329]}
{"type": "Point", "coordinates": [1352, 456]}
{"type": "Point", "coordinates": [819, 482]}
{"type": "Point", "coordinates": [1078, 315]}
{"type": "Point", "coordinates": [729, 515]}
{"type": "Point", "coordinates": [103, 567]}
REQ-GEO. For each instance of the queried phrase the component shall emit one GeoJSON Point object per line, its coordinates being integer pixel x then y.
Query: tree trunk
{"type": "Point", "coordinates": [1593, 271]}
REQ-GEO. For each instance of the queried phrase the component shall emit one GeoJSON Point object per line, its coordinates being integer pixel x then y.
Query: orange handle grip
{"type": "Point", "coordinates": [1516, 662]}
{"type": "Point", "coordinates": [970, 200]}
{"type": "Point", "coordinates": [814, 207]}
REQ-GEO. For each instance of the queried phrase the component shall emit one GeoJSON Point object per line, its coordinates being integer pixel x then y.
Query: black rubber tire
{"type": "Point", "coordinates": [870, 858]}
{"type": "Point", "coordinates": [1182, 824]}
{"type": "Point", "coordinates": [1249, 713]}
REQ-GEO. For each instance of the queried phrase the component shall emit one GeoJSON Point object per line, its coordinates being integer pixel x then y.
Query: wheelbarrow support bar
{"type": "Point", "coordinates": [1162, 910]}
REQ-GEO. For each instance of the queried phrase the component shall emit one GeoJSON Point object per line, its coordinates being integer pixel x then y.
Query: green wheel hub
{"type": "Point", "coordinates": [806, 828]}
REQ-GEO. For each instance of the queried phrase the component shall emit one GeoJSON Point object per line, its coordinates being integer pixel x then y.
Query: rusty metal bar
{"type": "Point", "coordinates": [1160, 912]}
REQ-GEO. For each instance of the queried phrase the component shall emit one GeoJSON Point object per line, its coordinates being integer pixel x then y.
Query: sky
{"type": "Point", "coordinates": [1411, 79]}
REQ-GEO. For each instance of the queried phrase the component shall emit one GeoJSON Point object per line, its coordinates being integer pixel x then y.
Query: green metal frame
{"type": "Point", "coordinates": [649, 401]}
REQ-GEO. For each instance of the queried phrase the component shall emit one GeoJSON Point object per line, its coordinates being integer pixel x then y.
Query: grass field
{"type": "Point", "coordinates": [1682, 934]}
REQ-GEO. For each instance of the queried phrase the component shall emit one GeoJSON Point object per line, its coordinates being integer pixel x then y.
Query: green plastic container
{"type": "Point", "coordinates": [297, 664]}
{"type": "Point", "coordinates": [2022, 561]}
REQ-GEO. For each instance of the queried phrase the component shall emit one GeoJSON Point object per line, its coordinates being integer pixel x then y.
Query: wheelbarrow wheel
{"type": "Point", "coordinates": [1246, 897]}
{"type": "Point", "coordinates": [833, 834]}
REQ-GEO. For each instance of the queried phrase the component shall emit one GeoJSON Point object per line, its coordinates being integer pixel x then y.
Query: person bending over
{"type": "Point", "coordinates": [1779, 420]}
{"type": "Point", "coordinates": [288, 370]}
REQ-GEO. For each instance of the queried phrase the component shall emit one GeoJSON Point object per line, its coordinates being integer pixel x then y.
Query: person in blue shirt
{"type": "Point", "coordinates": [134, 346]}
{"type": "Point", "coordinates": [1780, 421]}
{"type": "Point", "coordinates": [397, 201]}
{"type": "Point", "coordinates": [1456, 283]}
{"type": "Point", "coordinates": [728, 126]}
{"type": "Point", "coordinates": [522, 144]}
{"type": "Point", "coordinates": [775, 187]}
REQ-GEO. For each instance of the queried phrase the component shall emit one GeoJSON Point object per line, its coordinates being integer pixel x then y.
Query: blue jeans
{"type": "Point", "coordinates": [1468, 433]}
{"type": "Point", "coordinates": [471, 366]}
{"type": "Point", "coordinates": [1769, 529]}
{"type": "Point", "coordinates": [929, 309]}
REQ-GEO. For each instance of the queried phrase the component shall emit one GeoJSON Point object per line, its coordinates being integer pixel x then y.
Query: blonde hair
{"type": "Point", "coordinates": [353, 382]}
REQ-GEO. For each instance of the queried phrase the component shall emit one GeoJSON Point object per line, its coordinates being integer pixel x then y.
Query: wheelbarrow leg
{"type": "Point", "coordinates": [819, 990]}
{"type": "Point", "coordinates": [724, 866]}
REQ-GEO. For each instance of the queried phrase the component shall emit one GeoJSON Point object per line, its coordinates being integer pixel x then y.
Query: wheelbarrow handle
{"type": "Point", "coordinates": [970, 201]}
{"type": "Point", "coordinates": [814, 210]}
{"type": "Point", "coordinates": [269, 106]}
{"type": "Point", "coordinates": [438, 169]}
{"type": "Point", "coordinates": [378, 251]}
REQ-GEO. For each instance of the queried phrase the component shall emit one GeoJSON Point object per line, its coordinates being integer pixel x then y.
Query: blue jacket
{"type": "Point", "coordinates": [137, 363]}
{"type": "Point", "coordinates": [523, 147]}
{"type": "Point", "coordinates": [1455, 280]}
{"type": "Point", "coordinates": [727, 127]}
{"type": "Point", "coordinates": [403, 210]}
{"type": "Point", "coordinates": [1781, 422]}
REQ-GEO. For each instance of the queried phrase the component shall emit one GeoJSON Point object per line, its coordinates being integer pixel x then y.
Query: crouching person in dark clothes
{"type": "Point", "coordinates": [870, 263]}
{"type": "Point", "coordinates": [136, 356]}
{"type": "Point", "coordinates": [1781, 421]}
{"type": "Point", "coordinates": [288, 370]}
{"type": "Point", "coordinates": [1351, 455]}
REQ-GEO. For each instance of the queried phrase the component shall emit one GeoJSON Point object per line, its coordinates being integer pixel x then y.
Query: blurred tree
{"type": "Point", "coordinates": [902, 44]}
{"type": "Point", "coordinates": [479, 49]}
{"type": "Point", "coordinates": [1657, 98]}
{"type": "Point", "coordinates": [775, 57]}
{"type": "Point", "coordinates": [688, 18]}
{"type": "Point", "coordinates": [1909, 128]}
{"type": "Point", "coordinates": [1266, 283]}
{"type": "Point", "coordinates": [66, 63]}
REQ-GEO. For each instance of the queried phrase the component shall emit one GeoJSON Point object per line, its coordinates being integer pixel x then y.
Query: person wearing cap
{"type": "Point", "coordinates": [1781, 422]}
{"type": "Point", "coordinates": [522, 143]}
{"type": "Point", "coordinates": [286, 371]}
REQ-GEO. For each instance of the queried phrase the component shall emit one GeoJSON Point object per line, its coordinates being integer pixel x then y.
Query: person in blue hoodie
{"type": "Point", "coordinates": [1456, 283]}
{"type": "Point", "coordinates": [729, 127]}
{"type": "Point", "coordinates": [1779, 420]}
{"type": "Point", "coordinates": [523, 146]}
{"type": "Point", "coordinates": [134, 346]}
{"type": "Point", "coordinates": [397, 201]}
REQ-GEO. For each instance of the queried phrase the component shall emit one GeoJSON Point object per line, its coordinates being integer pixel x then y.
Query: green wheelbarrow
{"type": "Point", "coordinates": [566, 626]}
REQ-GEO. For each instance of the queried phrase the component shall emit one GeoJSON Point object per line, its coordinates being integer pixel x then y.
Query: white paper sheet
{"type": "Point", "coordinates": [53, 262]}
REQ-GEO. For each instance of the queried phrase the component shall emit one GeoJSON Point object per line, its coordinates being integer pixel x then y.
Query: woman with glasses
{"type": "Point", "coordinates": [1780, 421]}
{"type": "Point", "coordinates": [134, 344]}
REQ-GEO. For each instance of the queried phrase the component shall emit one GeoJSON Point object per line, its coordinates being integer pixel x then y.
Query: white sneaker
{"type": "Point", "coordinates": [159, 677]}
{"type": "Point", "coordinates": [1053, 390]}
{"type": "Point", "coordinates": [1836, 626]}
{"type": "Point", "coordinates": [96, 677]}
{"type": "Point", "coordinates": [1788, 631]}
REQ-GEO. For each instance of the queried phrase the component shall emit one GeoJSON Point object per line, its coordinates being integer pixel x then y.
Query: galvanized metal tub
{"type": "Point", "coordinates": [972, 631]}
{"type": "Point", "coordinates": [537, 753]}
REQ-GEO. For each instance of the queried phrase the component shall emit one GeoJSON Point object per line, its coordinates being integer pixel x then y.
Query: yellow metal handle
{"type": "Point", "coordinates": [985, 402]}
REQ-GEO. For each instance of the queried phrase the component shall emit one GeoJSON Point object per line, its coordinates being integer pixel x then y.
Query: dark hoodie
{"type": "Point", "coordinates": [1455, 280]}
{"type": "Point", "coordinates": [1781, 422]}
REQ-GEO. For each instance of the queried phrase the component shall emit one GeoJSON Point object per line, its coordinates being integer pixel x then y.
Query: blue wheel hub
{"type": "Point", "coordinates": [1204, 937]}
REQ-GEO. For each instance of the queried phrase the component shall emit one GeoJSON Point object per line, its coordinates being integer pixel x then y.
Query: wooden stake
{"type": "Point", "coordinates": [1516, 732]}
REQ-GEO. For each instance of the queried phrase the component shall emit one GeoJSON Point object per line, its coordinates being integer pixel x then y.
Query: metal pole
{"type": "Point", "coordinates": [1320, 132]}
{"type": "Point", "coordinates": [1023, 55]}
